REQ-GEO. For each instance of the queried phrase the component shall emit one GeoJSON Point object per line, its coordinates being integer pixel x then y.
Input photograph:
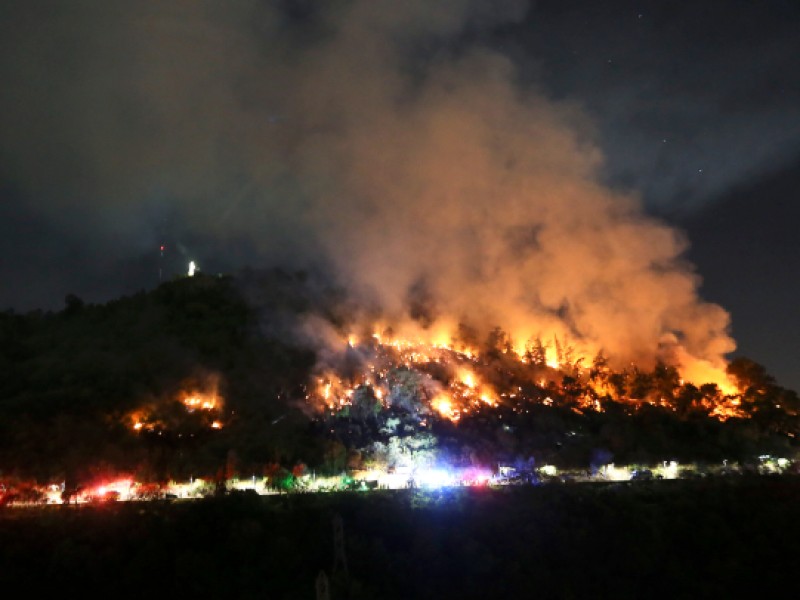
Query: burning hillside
{"type": "Point", "coordinates": [200, 401]}
{"type": "Point", "coordinates": [267, 372]}
{"type": "Point", "coordinates": [448, 269]}
{"type": "Point", "coordinates": [393, 403]}
{"type": "Point", "coordinates": [451, 379]}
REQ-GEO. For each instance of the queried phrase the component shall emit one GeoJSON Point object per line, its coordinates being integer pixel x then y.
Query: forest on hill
{"type": "Point", "coordinates": [98, 389]}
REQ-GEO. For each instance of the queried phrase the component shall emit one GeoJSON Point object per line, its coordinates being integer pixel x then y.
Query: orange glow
{"type": "Point", "coordinates": [467, 378]}
{"type": "Point", "coordinates": [443, 404]}
{"type": "Point", "coordinates": [439, 347]}
{"type": "Point", "coordinates": [158, 416]}
{"type": "Point", "coordinates": [141, 420]}
{"type": "Point", "coordinates": [202, 397]}
{"type": "Point", "coordinates": [417, 345]}
{"type": "Point", "coordinates": [201, 402]}
{"type": "Point", "coordinates": [487, 398]}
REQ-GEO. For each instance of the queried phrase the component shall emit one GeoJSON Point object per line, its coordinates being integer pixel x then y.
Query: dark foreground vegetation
{"type": "Point", "coordinates": [725, 537]}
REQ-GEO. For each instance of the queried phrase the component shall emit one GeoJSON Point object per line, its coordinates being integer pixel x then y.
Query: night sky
{"type": "Point", "coordinates": [198, 125]}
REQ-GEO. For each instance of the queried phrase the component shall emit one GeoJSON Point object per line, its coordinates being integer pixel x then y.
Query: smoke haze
{"type": "Point", "coordinates": [379, 139]}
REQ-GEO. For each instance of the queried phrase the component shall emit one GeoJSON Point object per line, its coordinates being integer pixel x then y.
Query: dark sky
{"type": "Point", "coordinates": [217, 128]}
{"type": "Point", "coordinates": [698, 104]}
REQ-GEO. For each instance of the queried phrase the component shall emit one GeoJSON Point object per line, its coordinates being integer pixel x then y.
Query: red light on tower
{"type": "Point", "coordinates": [160, 260]}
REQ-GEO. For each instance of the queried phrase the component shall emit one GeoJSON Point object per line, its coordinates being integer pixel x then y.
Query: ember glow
{"type": "Point", "coordinates": [443, 404]}
{"type": "Point", "coordinates": [201, 402]}
{"type": "Point", "coordinates": [454, 378]}
{"type": "Point", "coordinates": [200, 399]}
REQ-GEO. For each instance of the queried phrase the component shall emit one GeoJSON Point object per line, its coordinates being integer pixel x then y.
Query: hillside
{"type": "Point", "coordinates": [218, 376]}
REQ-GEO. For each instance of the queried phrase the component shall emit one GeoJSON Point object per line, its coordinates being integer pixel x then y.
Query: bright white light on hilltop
{"type": "Point", "coordinates": [192, 268]}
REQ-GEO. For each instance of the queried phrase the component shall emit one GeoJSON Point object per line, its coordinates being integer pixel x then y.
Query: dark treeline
{"type": "Point", "coordinates": [70, 380]}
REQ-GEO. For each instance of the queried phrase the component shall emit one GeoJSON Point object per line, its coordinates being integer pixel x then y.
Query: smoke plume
{"type": "Point", "coordinates": [385, 140]}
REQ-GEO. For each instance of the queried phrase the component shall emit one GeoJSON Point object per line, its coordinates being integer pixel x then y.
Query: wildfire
{"type": "Point", "coordinates": [143, 420]}
{"type": "Point", "coordinates": [729, 409]}
{"type": "Point", "coordinates": [201, 402]}
{"type": "Point", "coordinates": [467, 378]}
{"type": "Point", "coordinates": [158, 416]}
{"type": "Point", "coordinates": [394, 366]}
{"type": "Point", "coordinates": [443, 404]}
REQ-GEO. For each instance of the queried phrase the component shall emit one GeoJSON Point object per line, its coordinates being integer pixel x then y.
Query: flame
{"type": "Point", "coordinates": [332, 391]}
{"type": "Point", "coordinates": [386, 348]}
{"type": "Point", "coordinates": [155, 416]}
{"type": "Point", "coordinates": [443, 404]}
{"type": "Point", "coordinates": [704, 372]}
{"type": "Point", "coordinates": [142, 420]}
{"type": "Point", "coordinates": [467, 378]}
{"type": "Point", "coordinates": [197, 401]}
{"type": "Point", "coordinates": [487, 397]}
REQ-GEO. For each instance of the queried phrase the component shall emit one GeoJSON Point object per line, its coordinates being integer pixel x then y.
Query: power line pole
{"type": "Point", "coordinates": [323, 587]}
{"type": "Point", "coordinates": [339, 561]}
{"type": "Point", "coordinates": [339, 557]}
